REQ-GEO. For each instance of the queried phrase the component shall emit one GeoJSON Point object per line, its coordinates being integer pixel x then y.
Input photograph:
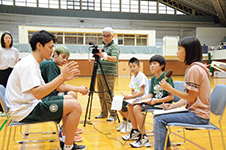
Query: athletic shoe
{"type": "Point", "coordinates": [2, 114]}
{"type": "Point", "coordinates": [77, 138]}
{"type": "Point", "coordinates": [111, 118]}
{"type": "Point", "coordinates": [100, 116]}
{"type": "Point", "coordinates": [78, 130]}
{"type": "Point", "coordinates": [141, 142]}
{"type": "Point", "coordinates": [127, 128]}
{"type": "Point", "coordinates": [134, 135]}
{"type": "Point", "coordinates": [75, 146]}
{"type": "Point", "coordinates": [122, 125]}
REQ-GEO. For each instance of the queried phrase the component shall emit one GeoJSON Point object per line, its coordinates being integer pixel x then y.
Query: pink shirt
{"type": "Point", "coordinates": [197, 79]}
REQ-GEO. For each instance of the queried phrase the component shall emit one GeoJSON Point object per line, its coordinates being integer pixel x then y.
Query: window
{"type": "Point", "coordinates": [127, 6]}
{"type": "Point", "coordinates": [81, 4]}
{"type": "Point", "coordinates": [53, 3]}
{"type": "Point", "coordinates": [141, 40]}
{"type": "Point", "coordinates": [134, 6]}
{"type": "Point", "coordinates": [96, 39]}
{"type": "Point", "coordinates": [180, 13]}
{"type": "Point", "coordinates": [59, 37]}
{"type": "Point", "coordinates": [132, 40]}
{"type": "Point", "coordinates": [162, 8]}
{"type": "Point", "coordinates": [129, 39]}
{"type": "Point", "coordinates": [76, 38]}
{"type": "Point", "coordinates": [97, 5]}
{"type": "Point", "coordinates": [30, 34]}
{"type": "Point", "coordinates": [152, 7]}
{"type": "Point", "coordinates": [63, 4]}
{"type": "Point", "coordinates": [170, 10]}
{"type": "Point", "coordinates": [144, 6]}
{"type": "Point", "coordinates": [7, 2]}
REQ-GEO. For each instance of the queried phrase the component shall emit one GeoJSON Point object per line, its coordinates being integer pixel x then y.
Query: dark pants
{"type": "Point", "coordinates": [4, 75]}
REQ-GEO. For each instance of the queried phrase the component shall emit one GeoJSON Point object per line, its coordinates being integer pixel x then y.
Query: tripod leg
{"type": "Point", "coordinates": [92, 85]}
{"type": "Point", "coordinates": [87, 108]}
{"type": "Point", "coordinates": [91, 102]}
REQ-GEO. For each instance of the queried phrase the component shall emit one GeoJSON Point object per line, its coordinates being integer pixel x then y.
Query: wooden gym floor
{"type": "Point", "coordinates": [102, 135]}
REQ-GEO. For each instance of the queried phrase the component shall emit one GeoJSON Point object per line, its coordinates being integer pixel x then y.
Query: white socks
{"type": "Point", "coordinates": [68, 147]}
{"type": "Point", "coordinates": [63, 139]}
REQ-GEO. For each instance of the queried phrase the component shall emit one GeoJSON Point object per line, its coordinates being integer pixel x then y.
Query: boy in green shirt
{"type": "Point", "coordinates": [157, 66]}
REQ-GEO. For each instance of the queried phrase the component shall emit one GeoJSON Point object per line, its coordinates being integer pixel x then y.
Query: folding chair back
{"type": "Point", "coordinates": [149, 84]}
{"type": "Point", "coordinates": [218, 99]}
{"type": "Point", "coordinates": [179, 85]}
{"type": "Point", "coordinates": [2, 101]}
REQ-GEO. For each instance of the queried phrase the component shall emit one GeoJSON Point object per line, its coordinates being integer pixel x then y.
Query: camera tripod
{"type": "Point", "coordinates": [92, 86]}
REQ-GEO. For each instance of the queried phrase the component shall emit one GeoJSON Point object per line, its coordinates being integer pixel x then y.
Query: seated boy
{"type": "Point", "coordinates": [157, 66]}
{"type": "Point", "coordinates": [26, 91]}
{"type": "Point", "coordinates": [50, 70]}
{"type": "Point", "coordinates": [139, 86]}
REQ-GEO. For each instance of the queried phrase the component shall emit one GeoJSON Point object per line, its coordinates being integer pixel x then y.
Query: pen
{"type": "Point", "coordinates": [137, 99]}
{"type": "Point", "coordinates": [122, 94]}
{"type": "Point", "coordinates": [150, 101]}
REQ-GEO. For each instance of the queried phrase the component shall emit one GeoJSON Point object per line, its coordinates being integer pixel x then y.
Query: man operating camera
{"type": "Point", "coordinates": [109, 64]}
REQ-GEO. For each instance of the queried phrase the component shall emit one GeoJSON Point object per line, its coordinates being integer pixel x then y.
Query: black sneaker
{"type": "Point", "coordinates": [75, 146]}
{"type": "Point", "coordinates": [134, 135]}
{"type": "Point", "coordinates": [141, 142]}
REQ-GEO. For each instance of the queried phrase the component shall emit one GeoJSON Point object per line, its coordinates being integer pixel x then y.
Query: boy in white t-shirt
{"type": "Point", "coordinates": [157, 66]}
{"type": "Point", "coordinates": [139, 86]}
{"type": "Point", "coordinates": [26, 91]}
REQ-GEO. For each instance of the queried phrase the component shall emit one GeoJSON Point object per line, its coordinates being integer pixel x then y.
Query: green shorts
{"type": "Point", "coordinates": [50, 109]}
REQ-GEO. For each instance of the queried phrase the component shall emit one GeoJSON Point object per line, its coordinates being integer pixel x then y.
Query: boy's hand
{"type": "Point", "coordinates": [69, 69]}
{"type": "Point", "coordinates": [84, 90]}
{"type": "Point", "coordinates": [151, 102]}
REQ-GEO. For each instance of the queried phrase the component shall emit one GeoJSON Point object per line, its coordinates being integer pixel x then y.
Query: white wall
{"type": "Point", "coordinates": [210, 36]}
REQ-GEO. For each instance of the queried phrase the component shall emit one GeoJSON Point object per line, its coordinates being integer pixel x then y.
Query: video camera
{"type": "Point", "coordinates": [95, 50]}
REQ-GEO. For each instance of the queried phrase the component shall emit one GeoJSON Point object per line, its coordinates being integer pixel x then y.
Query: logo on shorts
{"type": "Point", "coordinates": [53, 107]}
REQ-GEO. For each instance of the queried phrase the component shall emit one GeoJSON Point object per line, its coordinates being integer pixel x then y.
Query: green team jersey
{"type": "Point", "coordinates": [49, 70]}
{"type": "Point", "coordinates": [155, 85]}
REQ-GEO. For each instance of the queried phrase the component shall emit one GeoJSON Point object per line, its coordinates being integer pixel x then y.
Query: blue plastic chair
{"type": "Point", "coordinates": [217, 106]}
{"type": "Point", "coordinates": [179, 85]}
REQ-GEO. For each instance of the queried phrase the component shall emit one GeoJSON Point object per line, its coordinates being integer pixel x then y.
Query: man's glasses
{"type": "Point", "coordinates": [106, 36]}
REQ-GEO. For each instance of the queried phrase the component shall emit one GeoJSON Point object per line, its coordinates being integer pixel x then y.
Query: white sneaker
{"type": "Point", "coordinates": [139, 143]}
{"type": "Point", "coordinates": [123, 124]}
{"type": "Point", "coordinates": [134, 135]}
{"type": "Point", "coordinates": [127, 128]}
